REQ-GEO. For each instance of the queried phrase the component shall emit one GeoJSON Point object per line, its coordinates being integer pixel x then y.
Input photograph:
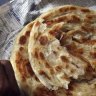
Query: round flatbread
{"type": "Point", "coordinates": [20, 62]}
{"type": "Point", "coordinates": [27, 80]}
{"type": "Point", "coordinates": [62, 46]}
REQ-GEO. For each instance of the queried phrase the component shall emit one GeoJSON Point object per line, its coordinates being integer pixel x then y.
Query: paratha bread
{"type": "Point", "coordinates": [27, 80]}
{"type": "Point", "coordinates": [62, 46]}
{"type": "Point", "coordinates": [29, 83]}
{"type": "Point", "coordinates": [19, 59]}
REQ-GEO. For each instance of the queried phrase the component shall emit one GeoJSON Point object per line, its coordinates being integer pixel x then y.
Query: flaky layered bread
{"type": "Point", "coordinates": [62, 46]}
{"type": "Point", "coordinates": [27, 80]}
{"type": "Point", "coordinates": [48, 22]}
{"type": "Point", "coordinates": [19, 59]}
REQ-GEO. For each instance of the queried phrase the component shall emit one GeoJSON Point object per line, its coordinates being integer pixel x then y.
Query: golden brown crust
{"type": "Point", "coordinates": [22, 40]}
{"type": "Point", "coordinates": [65, 44]}
{"type": "Point", "coordinates": [43, 40]}
{"type": "Point", "coordinates": [62, 33]}
{"type": "Point", "coordinates": [20, 62]}
{"type": "Point", "coordinates": [23, 66]}
{"type": "Point", "coordinates": [27, 33]}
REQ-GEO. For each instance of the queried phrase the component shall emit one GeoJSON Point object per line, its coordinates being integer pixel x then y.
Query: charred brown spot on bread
{"type": "Point", "coordinates": [90, 16]}
{"type": "Point", "coordinates": [22, 65]}
{"type": "Point", "coordinates": [43, 40]}
{"type": "Point", "coordinates": [27, 33]}
{"type": "Point", "coordinates": [42, 57]}
{"type": "Point", "coordinates": [79, 50]}
{"type": "Point", "coordinates": [90, 42]}
{"type": "Point", "coordinates": [55, 52]}
{"type": "Point", "coordinates": [37, 23]}
{"type": "Point", "coordinates": [64, 9]}
{"type": "Point", "coordinates": [53, 32]}
{"type": "Point", "coordinates": [87, 28]}
{"type": "Point", "coordinates": [72, 8]}
{"type": "Point", "coordinates": [21, 48]}
{"type": "Point", "coordinates": [60, 19]}
{"type": "Point", "coordinates": [74, 19]}
{"type": "Point", "coordinates": [89, 69]}
{"type": "Point", "coordinates": [61, 9]}
{"type": "Point", "coordinates": [43, 91]}
{"type": "Point", "coordinates": [41, 72]}
{"type": "Point", "coordinates": [47, 65]}
{"type": "Point", "coordinates": [64, 59]}
{"type": "Point", "coordinates": [22, 40]}
{"type": "Point", "coordinates": [35, 77]}
{"type": "Point", "coordinates": [73, 70]}
{"type": "Point", "coordinates": [85, 10]}
{"type": "Point", "coordinates": [72, 47]}
{"type": "Point", "coordinates": [29, 69]}
{"type": "Point", "coordinates": [36, 53]}
{"type": "Point", "coordinates": [93, 54]}
{"type": "Point", "coordinates": [57, 34]}
{"type": "Point", "coordinates": [58, 68]}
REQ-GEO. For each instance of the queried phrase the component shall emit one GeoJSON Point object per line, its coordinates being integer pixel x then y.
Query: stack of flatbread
{"type": "Point", "coordinates": [55, 55]}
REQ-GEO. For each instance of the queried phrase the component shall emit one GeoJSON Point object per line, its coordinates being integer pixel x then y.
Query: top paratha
{"type": "Point", "coordinates": [27, 80]}
{"type": "Point", "coordinates": [62, 46]}
{"type": "Point", "coordinates": [25, 76]}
